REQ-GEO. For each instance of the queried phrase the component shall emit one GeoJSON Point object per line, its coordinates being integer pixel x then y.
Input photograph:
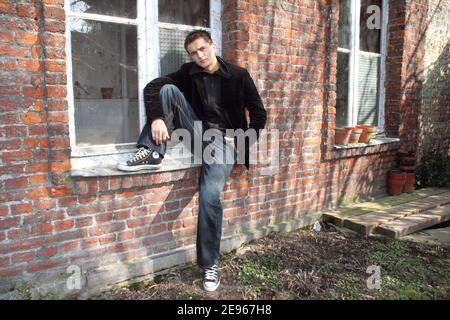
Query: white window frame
{"type": "Point", "coordinates": [149, 68]}
{"type": "Point", "coordinates": [354, 52]}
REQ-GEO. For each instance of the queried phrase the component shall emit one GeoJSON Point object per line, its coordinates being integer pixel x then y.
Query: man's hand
{"type": "Point", "coordinates": [159, 131]}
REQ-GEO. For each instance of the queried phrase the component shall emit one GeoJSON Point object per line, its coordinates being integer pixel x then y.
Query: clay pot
{"type": "Point", "coordinates": [410, 179]}
{"type": "Point", "coordinates": [396, 182]}
{"type": "Point", "coordinates": [406, 162]}
{"type": "Point", "coordinates": [342, 135]}
{"type": "Point", "coordinates": [368, 133]}
{"type": "Point", "coordinates": [356, 133]}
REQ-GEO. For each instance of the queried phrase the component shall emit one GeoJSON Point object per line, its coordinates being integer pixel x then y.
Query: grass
{"type": "Point", "coordinates": [256, 276]}
{"type": "Point", "coordinates": [331, 264]}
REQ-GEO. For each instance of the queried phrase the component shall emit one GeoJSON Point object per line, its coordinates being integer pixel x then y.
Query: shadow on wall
{"type": "Point", "coordinates": [435, 112]}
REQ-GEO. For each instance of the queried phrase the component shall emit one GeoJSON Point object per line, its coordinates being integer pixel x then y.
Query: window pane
{"type": "Point", "coordinates": [368, 90]}
{"type": "Point", "coordinates": [117, 8]}
{"type": "Point", "coordinates": [105, 82]}
{"type": "Point", "coordinates": [345, 23]}
{"type": "Point", "coordinates": [188, 12]}
{"type": "Point", "coordinates": [370, 26]}
{"type": "Point", "coordinates": [342, 89]}
{"type": "Point", "coordinates": [172, 51]}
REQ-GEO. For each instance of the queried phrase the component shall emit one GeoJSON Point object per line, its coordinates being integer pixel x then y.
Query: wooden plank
{"type": "Point", "coordinates": [367, 223]}
{"type": "Point", "coordinates": [412, 223]}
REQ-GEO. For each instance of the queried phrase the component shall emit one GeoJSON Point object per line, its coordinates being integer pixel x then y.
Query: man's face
{"type": "Point", "coordinates": [202, 52]}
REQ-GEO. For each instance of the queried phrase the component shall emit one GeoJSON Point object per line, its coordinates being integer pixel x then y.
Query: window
{"type": "Point", "coordinates": [114, 48]}
{"type": "Point", "coordinates": [360, 62]}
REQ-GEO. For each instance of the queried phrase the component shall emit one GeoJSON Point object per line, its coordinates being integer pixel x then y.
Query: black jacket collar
{"type": "Point", "coordinates": [223, 69]}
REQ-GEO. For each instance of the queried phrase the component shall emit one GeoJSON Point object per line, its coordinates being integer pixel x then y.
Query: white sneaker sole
{"type": "Point", "coordinates": [125, 167]}
{"type": "Point", "coordinates": [210, 289]}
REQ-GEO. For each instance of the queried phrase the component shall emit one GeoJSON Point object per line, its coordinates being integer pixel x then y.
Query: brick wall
{"type": "Point", "coordinates": [435, 105]}
{"type": "Point", "coordinates": [50, 220]}
{"type": "Point", "coordinates": [417, 99]}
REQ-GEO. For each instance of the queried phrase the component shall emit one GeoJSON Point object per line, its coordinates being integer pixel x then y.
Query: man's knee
{"type": "Point", "coordinates": [169, 88]}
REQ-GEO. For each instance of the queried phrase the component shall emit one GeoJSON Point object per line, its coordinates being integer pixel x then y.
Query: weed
{"type": "Point", "coordinates": [257, 276]}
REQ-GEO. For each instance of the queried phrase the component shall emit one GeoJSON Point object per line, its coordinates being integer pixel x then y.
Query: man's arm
{"type": "Point", "coordinates": [152, 102]}
{"type": "Point", "coordinates": [253, 102]}
{"type": "Point", "coordinates": [153, 107]}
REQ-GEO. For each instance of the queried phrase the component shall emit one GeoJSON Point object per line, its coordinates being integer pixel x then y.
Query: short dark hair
{"type": "Point", "coordinates": [196, 34]}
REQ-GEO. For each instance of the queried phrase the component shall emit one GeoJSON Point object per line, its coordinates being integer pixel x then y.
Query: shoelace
{"type": "Point", "coordinates": [212, 273]}
{"type": "Point", "coordinates": [142, 153]}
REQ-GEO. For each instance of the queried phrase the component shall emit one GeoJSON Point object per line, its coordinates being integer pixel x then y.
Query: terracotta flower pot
{"type": "Point", "coordinates": [396, 182]}
{"type": "Point", "coordinates": [342, 135]}
{"type": "Point", "coordinates": [356, 133]}
{"type": "Point", "coordinates": [368, 133]}
{"type": "Point", "coordinates": [410, 179]}
{"type": "Point", "coordinates": [406, 161]}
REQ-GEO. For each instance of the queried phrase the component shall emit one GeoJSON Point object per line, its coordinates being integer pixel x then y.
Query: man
{"type": "Point", "coordinates": [214, 94]}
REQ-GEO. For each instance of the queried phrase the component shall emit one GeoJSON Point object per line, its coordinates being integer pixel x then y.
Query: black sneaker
{"type": "Point", "coordinates": [144, 159]}
{"type": "Point", "coordinates": [211, 278]}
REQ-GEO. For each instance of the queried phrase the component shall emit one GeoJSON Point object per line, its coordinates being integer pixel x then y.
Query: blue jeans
{"type": "Point", "coordinates": [178, 113]}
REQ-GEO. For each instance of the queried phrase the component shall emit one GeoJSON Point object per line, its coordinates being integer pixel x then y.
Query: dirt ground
{"type": "Point", "coordinates": [305, 264]}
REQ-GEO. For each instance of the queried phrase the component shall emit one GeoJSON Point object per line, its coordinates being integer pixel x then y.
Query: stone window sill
{"type": "Point", "coordinates": [376, 145]}
{"type": "Point", "coordinates": [172, 162]}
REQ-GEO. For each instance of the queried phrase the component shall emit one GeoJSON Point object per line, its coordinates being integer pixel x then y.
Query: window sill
{"type": "Point", "coordinates": [377, 145]}
{"type": "Point", "coordinates": [107, 166]}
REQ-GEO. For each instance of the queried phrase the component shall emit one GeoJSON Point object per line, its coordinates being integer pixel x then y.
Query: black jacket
{"type": "Point", "coordinates": [238, 93]}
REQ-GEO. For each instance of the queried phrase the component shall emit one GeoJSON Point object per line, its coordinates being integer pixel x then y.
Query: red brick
{"type": "Point", "coordinates": [48, 252]}
{"type": "Point", "coordinates": [58, 116]}
{"type": "Point", "coordinates": [10, 272]}
{"type": "Point", "coordinates": [23, 257]}
{"type": "Point", "coordinates": [56, 66]}
{"type": "Point", "coordinates": [68, 246]}
{"type": "Point", "coordinates": [67, 201]}
{"type": "Point", "coordinates": [89, 243]}
{"type": "Point", "coordinates": [18, 234]}
{"type": "Point", "coordinates": [4, 211]}
{"type": "Point", "coordinates": [36, 167]}
{"type": "Point", "coordinates": [6, 36]}
{"type": "Point", "coordinates": [54, 40]}
{"type": "Point", "coordinates": [37, 193]}
{"type": "Point", "coordinates": [9, 118]}
{"type": "Point", "coordinates": [33, 92]}
{"type": "Point", "coordinates": [56, 13]}
{"type": "Point", "coordinates": [21, 245]}
{"type": "Point", "coordinates": [46, 265]}
{"type": "Point", "coordinates": [107, 228]}
{"type": "Point", "coordinates": [107, 239]}
{"type": "Point", "coordinates": [64, 225]}
{"type": "Point", "coordinates": [17, 183]}
{"type": "Point", "coordinates": [6, 7]}
{"type": "Point", "coordinates": [84, 222]}
{"type": "Point", "coordinates": [21, 208]}
{"type": "Point", "coordinates": [39, 180]}
{"type": "Point", "coordinates": [37, 130]}
{"type": "Point", "coordinates": [31, 65]}
{"type": "Point", "coordinates": [11, 51]}
{"type": "Point", "coordinates": [60, 166]}
{"type": "Point", "coordinates": [104, 217]}
{"type": "Point", "coordinates": [34, 143]}
{"type": "Point", "coordinates": [44, 228]}
{"type": "Point", "coordinates": [26, 10]}
{"type": "Point", "coordinates": [27, 38]}
{"type": "Point", "coordinates": [12, 144]}
{"type": "Point", "coordinates": [9, 223]}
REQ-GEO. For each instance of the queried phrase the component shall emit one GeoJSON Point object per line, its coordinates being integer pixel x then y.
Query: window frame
{"type": "Point", "coordinates": [354, 54]}
{"type": "Point", "coordinates": [148, 26]}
